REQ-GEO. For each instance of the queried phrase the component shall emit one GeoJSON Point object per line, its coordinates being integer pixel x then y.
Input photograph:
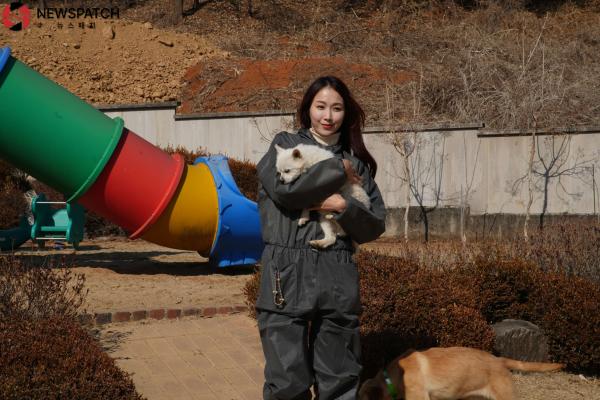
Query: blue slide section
{"type": "Point", "coordinates": [239, 239]}
{"type": "Point", "coordinates": [12, 238]}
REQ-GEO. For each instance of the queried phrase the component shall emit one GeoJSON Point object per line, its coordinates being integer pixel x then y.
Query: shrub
{"type": "Point", "coordinates": [420, 308]}
{"type": "Point", "coordinates": [246, 177]}
{"type": "Point", "coordinates": [38, 292]}
{"type": "Point", "coordinates": [251, 290]}
{"type": "Point", "coordinates": [564, 306]}
{"type": "Point", "coordinates": [567, 309]}
{"type": "Point", "coordinates": [97, 226]}
{"type": "Point", "coordinates": [44, 352]}
{"type": "Point", "coordinates": [501, 286]}
{"type": "Point", "coordinates": [12, 205]}
{"type": "Point", "coordinates": [188, 155]}
{"type": "Point", "coordinates": [244, 172]}
{"type": "Point", "coordinates": [56, 359]}
{"type": "Point", "coordinates": [566, 247]}
{"type": "Point", "coordinates": [12, 202]}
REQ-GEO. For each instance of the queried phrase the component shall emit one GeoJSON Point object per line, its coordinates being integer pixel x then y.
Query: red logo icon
{"type": "Point", "coordinates": [16, 16]}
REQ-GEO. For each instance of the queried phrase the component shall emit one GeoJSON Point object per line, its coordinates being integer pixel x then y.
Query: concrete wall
{"type": "Point", "coordinates": [494, 163]}
{"type": "Point", "coordinates": [493, 169]}
{"type": "Point", "coordinates": [241, 137]}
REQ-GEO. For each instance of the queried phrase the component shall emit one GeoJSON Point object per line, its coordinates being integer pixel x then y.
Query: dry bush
{"type": "Point", "coordinates": [570, 248]}
{"type": "Point", "coordinates": [503, 66]}
{"type": "Point", "coordinates": [243, 172]}
{"type": "Point", "coordinates": [36, 292]}
{"type": "Point", "coordinates": [189, 155]}
{"type": "Point", "coordinates": [251, 290]}
{"type": "Point", "coordinates": [12, 205]}
{"type": "Point", "coordinates": [98, 226]}
{"type": "Point", "coordinates": [246, 178]}
{"type": "Point", "coordinates": [44, 352]}
{"type": "Point", "coordinates": [55, 358]}
{"type": "Point", "coordinates": [50, 193]}
{"type": "Point", "coordinates": [564, 306]}
{"type": "Point", "coordinates": [405, 307]}
{"type": "Point", "coordinates": [564, 247]}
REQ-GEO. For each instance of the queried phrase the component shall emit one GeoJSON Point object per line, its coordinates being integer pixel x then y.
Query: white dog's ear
{"type": "Point", "coordinates": [278, 148]}
{"type": "Point", "coordinates": [296, 153]}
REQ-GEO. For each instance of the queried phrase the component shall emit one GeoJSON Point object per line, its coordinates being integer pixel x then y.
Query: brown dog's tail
{"type": "Point", "coordinates": [531, 366]}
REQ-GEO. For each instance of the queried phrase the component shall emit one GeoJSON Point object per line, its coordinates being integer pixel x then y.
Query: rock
{"type": "Point", "coordinates": [159, 93]}
{"type": "Point", "coordinates": [166, 42]}
{"type": "Point", "coordinates": [147, 25]}
{"type": "Point", "coordinates": [76, 46]}
{"type": "Point", "coordinates": [520, 340]}
{"type": "Point", "coordinates": [108, 32]}
{"type": "Point", "coordinates": [138, 90]}
{"type": "Point", "coordinates": [65, 44]}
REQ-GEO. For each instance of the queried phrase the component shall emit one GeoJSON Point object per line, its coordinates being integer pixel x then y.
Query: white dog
{"type": "Point", "coordinates": [291, 163]}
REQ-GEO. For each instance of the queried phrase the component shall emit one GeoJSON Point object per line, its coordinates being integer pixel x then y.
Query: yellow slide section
{"type": "Point", "coordinates": [190, 221]}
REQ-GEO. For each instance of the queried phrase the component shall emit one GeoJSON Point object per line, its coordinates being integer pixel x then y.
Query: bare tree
{"type": "Point", "coordinates": [530, 182]}
{"type": "Point", "coordinates": [425, 180]}
{"type": "Point", "coordinates": [595, 192]}
{"type": "Point", "coordinates": [464, 197]}
{"type": "Point", "coordinates": [554, 161]}
{"type": "Point", "coordinates": [404, 143]}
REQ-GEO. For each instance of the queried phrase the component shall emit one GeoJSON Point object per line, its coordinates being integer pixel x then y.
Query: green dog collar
{"type": "Point", "coordinates": [390, 386]}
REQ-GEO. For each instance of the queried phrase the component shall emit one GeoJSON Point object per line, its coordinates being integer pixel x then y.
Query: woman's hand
{"type": "Point", "coordinates": [351, 174]}
{"type": "Point", "coordinates": [335, 202]}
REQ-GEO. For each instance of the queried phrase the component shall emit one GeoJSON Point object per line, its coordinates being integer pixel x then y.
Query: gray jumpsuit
{"type": "Point", "coordinates": [308, 303]}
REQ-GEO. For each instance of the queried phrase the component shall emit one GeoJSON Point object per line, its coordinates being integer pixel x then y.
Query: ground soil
{"type": "Point", "coordinates": [127, 275]}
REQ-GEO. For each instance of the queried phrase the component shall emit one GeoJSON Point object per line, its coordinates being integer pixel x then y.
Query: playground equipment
{"type": "Point", "coordinates": [12, 238]}
{"type": "Point", "coordinates": [94, 160]}
{"type": "Point", "coordinates": [52, 224]}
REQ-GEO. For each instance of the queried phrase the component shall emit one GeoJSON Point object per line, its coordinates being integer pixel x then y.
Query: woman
{"type": "Point", "coordinates": [308, 304]}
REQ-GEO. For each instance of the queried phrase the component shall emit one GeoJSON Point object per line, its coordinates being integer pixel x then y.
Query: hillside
{"type": "Point", "coordinates": [406, 61]}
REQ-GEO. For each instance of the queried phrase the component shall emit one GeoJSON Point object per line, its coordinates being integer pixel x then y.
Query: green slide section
{"type": "Point", "coordinates": [50, 133]}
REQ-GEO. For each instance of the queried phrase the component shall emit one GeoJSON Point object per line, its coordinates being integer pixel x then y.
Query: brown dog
{"type": "Point", "coordinates": [448, 373]}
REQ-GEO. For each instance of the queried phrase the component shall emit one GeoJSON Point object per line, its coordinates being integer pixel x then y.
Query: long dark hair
{"type": "Point", "coordinates": [354, 119]}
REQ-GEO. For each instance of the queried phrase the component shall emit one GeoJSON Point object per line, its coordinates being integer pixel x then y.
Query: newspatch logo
{"type": "Point", "coordinates": [16, 16]}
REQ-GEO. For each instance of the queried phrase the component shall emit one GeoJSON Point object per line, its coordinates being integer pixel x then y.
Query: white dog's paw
{"type": "Point", "coordinates": [321, 243]}
{"type": "Point", "coordinates": [302, 221]}
{"type": "Point", "coordinates": [316, 243]}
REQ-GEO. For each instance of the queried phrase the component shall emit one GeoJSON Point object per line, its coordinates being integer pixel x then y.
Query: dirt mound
{"type": "Point", "coordinates": [259, 85]}
{"type": "Point", "coordinates": [117, 62]}
{"type": "Point", "coordinates": [133, 61]}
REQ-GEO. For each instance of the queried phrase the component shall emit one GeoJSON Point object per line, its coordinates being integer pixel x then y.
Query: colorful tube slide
{"type": "Point", "coordinates": [64, 142]}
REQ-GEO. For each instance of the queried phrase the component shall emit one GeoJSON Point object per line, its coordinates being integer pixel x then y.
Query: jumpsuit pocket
{"type": "Point", "coordinates": [347, 290]}
{"type": "Point", "coordinates": [278, 287]}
